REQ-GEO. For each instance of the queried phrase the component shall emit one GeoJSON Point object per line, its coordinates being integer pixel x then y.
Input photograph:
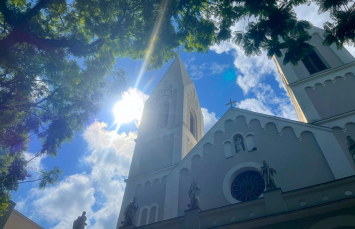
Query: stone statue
{"type": "Point", "coordinates": [239, 145]}
{"type": "Point", "coordinates": [79, 223]}
{"type": "Point", "coordinates": [129, 213]}
{"type": "Point", "coordinates": [351, 147]}
{"type": "Point", "coordinates": [267, 174]}
{"type": "Point", "coordinates": [193, 194]}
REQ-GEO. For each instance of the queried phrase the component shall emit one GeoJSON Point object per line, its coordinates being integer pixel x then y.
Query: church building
{"type": "Point", "coordinates": [250, 170]}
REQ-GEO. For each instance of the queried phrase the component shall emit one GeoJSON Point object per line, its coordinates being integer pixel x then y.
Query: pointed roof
{"type": "Point", "coordinates": [177, 72]}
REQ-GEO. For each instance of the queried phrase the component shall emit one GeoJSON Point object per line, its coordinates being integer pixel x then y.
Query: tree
{"type": "Point", "coordinates": [57, 57]}
{"type": "Point", "coordinates": [56, 64]}
{"type": "Point", "coordinates": [342, 30]}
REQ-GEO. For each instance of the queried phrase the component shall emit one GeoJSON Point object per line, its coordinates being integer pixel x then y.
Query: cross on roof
{"type": "Point", "coordinates": [231, 103]}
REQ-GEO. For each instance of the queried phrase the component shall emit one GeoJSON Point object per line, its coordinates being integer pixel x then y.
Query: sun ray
{"type": "Point", "coordinates": [152, 41]}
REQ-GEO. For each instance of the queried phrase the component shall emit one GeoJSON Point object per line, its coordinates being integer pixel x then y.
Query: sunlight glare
{"type": "Point", "coordinates": [130, 107]}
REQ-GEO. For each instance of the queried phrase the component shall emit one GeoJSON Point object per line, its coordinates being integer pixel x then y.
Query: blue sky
{"type": "Point", "coordinates": [97, 160]}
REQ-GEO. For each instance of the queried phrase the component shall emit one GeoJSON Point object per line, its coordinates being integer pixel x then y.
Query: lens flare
{"type": "Point", "coordinates": [130, 107]}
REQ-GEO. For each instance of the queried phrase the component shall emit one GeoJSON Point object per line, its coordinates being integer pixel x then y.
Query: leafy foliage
{"type": "Point", "coordinates": [342, 30]}
{"type": "Point", "coordinates": [56, 64]}
{"type": "Point", "coordinates": [49, 177]}
{"type": "Point", "coordinates": [57, 57]}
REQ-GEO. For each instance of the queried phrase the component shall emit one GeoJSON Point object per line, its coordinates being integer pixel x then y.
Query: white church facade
{"type": "Point", "coordinates": [315, 170]}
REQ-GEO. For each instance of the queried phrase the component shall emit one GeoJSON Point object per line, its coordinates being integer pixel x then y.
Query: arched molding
{"type": "Point", "coordinates": [249, 133]}
{"type": "Point", "coordinates": [298, 129]}
{"type": "Point", "coordinates": [187, 168]}
{"type": "Point", "coordinates": [150, 178]}
{"type": "Point", "coordinates": [147, 184]}
{"type": "Point", "coordinates": [344, 128]}
{"type": "Point", "coordinates": [228, 120]}
{"type": "Point", "coordinates": [156, 179]}
{"type": "Point", "coordinates": [156, 212]}
{"type": "Point", "coordinates": [228, 140]}
{"type": "Point", "coordinates": [241, 116]}
{"type": "Point", "coordinates": [330, 77]}
{"type": "Point", "coordinates": [286, 127]}
{"type": "Point", "coordinates": [272, 123]}
{"type": "Point", "coordinates": [236, 133]}
{"type": "Point", "coordinates": [149, 212]}
{"type": "Point", "coordinates": [233, 173]}
{"type": "Point", "coordinates": [139, 222]}
{"type": "Point", "coordinates": [335, 222]}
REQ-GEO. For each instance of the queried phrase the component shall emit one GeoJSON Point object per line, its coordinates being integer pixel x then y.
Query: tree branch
{"type": "Point", "coordinates": [31, 13]}
{"type": "Point", "coordinates": [29, 181]}
{"type": "Point", "coordinates": [7, 13]}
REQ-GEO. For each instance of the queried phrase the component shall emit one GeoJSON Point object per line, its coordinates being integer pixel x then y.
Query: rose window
{"type": "Point", "coordinates": [247, 186]}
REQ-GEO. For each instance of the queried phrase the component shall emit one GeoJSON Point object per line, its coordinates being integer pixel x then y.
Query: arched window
{"type": "Point", "coordinates": [193, 122]}
{"type": "Point", "coordinates": [249, 141]}
{"type": "Point", "coordinates": [163, 115]}
{"type": "Point", "coordinates": [313, 62]}
{"type": "Point", "coordinates": [238, 143]}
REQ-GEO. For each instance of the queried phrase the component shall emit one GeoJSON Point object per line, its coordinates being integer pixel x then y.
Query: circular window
{"type": "Point", "coordinates": [247, 186]}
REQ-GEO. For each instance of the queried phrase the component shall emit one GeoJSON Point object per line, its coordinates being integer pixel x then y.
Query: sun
{"type": "Point", "coordinates": [130, 107]}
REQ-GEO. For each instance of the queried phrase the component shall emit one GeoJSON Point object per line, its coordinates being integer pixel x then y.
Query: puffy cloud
{"type": "Point", "coordinates": [209, 119]}
{"type": "Point", "coordinates": [35, 165]}
{"type": "Point", "coordinates": [254, 105]}
{"type": "Point", "coordinates": [64, 202]}
{"type": "Point", "coordinates": [213, 68]}
{"type": "Point", "coordinates": [109, 157]}
{"type": "Point", "coordinates": [267, 102]}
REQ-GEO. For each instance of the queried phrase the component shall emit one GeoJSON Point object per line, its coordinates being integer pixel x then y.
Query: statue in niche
{"type": "Point", "coordinates": [239, 145]}
{"type": "Point", "coordinates": [129, 212]}
{"type": "Point", "coordinates": [351, 147]}
{"type": "Point", "coordinates": [79, 223]}
{"type": "Point", "coordinates": [194, 192]}
{"type": "Point", "coordinates": [267, 174]}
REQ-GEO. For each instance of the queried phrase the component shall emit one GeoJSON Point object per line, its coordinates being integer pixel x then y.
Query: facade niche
{"type": "Point", "coordinates": [148, 215]}
{"type": "Point", "coordinates": [249, 140]}
{"type": "Point", "coordinates": [163, 115]}
{"type": "Point", "coordinates": [238, 143]}
{"type": "Point", "coordinates": [228, 149]}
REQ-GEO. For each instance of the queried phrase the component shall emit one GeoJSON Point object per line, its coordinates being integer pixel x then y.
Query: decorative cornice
{"type": "Point", "coordinates": [320, 74]}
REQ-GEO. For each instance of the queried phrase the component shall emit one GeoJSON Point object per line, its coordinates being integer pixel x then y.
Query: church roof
{"type": "Point", "coordinates": [177, 72]}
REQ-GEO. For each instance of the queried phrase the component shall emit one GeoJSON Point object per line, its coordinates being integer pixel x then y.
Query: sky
{"type": "Point", "coordinates": [96, 162]}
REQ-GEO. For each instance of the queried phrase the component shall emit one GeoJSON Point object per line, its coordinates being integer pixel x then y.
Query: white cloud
{"type": "Point", "coordinates": [109, 158]}
{"type": "Point", "coordinates": [217, 68]}
{"type": "Point", "coordinates": [209, 119]}
{"type": "Point", "coordinates": [35, 165]}
{"type": "Point", "coordinates": [213, 68]}
{"type": "Point", "coordinates": [61, 204]}
{"type": "Point", "coordinates": [254, 105]}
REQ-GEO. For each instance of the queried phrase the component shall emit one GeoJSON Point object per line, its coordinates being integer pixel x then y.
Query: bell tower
{"type": "Point", "coordinates": [172, 123]}
{"type": "Point", "coordinates": [321, 86]}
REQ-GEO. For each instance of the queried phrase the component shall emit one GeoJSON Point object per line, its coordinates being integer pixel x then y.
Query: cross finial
{"type": "Point", "coordinates": [231, 103]}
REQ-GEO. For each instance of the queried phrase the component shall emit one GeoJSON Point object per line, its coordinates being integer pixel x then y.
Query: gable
{"type": "Point", "coordinates": [303, 155]}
